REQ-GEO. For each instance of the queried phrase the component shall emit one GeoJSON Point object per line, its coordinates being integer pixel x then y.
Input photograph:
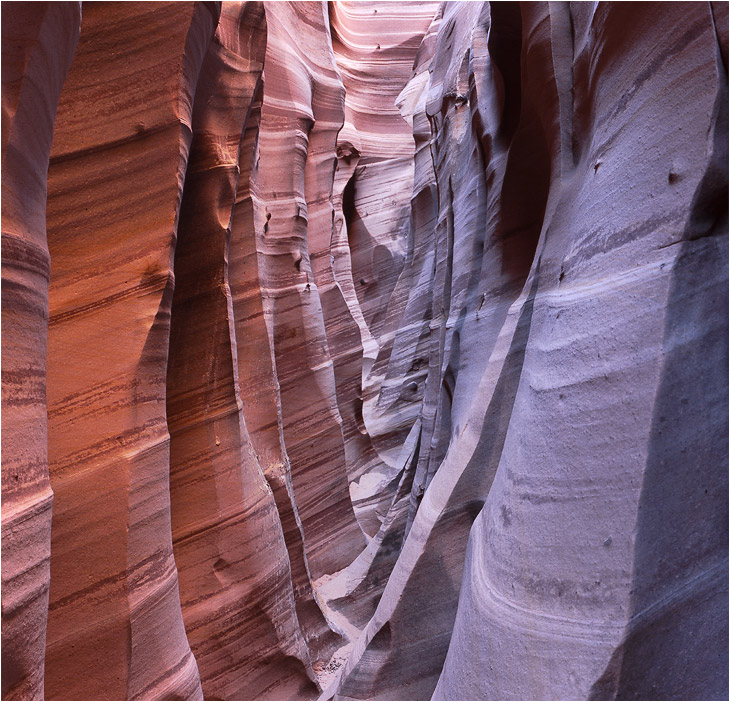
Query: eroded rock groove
{"type": "Point", "coordinates": [364, 350]}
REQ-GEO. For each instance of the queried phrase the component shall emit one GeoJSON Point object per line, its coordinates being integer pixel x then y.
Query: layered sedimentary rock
{"type": "Point", "coordinates": [259, 389]}
{"type": "Point", "coordinates": [300, 116]}
{"type": "Point", "coordinates": [38, 43]}
{"type": "Point", "coordinates": [115, 629]}
{"type": "Point", "coordinates": [563, 225]}
{"type": "Point", "coordinates": [375, 45]}
{"type": "Point", "coordinates": [227, 536]}
{"type": "Point", "coordinates": [386, 350]}
{"type": "Point", "coordinates": [392, 375]}
{"type": "Point", "coordinates": [584, 567]}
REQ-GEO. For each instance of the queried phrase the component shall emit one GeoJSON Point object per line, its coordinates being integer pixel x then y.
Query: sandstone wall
{"type": "Point", "coordinates": [548, 557]}
{"type": "Point", "coordinates": [364, 350]}
{"type": "Point", "coordinates": [38, 44]}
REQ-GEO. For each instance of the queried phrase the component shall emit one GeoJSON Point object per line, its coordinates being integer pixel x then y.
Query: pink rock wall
{"type": "Point", "coordinates": [227, 537]}
{"type": "Point", "coordinates": [386, 350]}
{"type": "Point", "coordinates": [38, 43]}
{"type": "Point", "coordinates": [301, 115]}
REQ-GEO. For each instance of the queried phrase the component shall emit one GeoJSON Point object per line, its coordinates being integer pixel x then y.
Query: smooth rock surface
{"type": "Point", "coordinates": [564, 285]}
{"type": "Point", "coordinates": [300, 116]}
{"type": "Point", "coordinates": [115, 629]}
{"type": "Point", "coordinates": [227, 538]}
{"type": "Point", "coordinates": [38, 44]}
{"type": "Point", "coordinates": [587, 576]}
{"type": "Point", "coordinates": [386, 350]}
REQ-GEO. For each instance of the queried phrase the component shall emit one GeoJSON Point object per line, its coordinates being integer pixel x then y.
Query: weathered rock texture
{"type": "Point", "coordinates": [115, 185]}
{"type": "Point", "coordinates": [364, 350]}
{"type": "Point", "coordinates": [38, 43]}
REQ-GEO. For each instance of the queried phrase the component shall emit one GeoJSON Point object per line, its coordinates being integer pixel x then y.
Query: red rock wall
{"type": "Point", "coordinates": [382, 352]}
{"type": "Point", "coordinates": [115, 185]}
{"type": "Point", "coordinates": [227, 537]}
{"type": "Point", "coordinates": [38, 43]}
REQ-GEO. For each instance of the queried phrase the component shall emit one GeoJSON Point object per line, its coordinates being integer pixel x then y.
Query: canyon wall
{"type": "Point", "coordinates": [364, 350]}
{"type": "Point", "coordinates": [38, 44]}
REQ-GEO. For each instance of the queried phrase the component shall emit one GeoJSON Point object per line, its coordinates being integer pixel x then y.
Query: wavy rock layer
{"type": "Point", "coordinates": [227, 537]}
{"type": "Point", "coordinates": [364, 350]}
{"type": "Point", "coordinates": [581, 554]}
{"type": "Point", "coordinates": [38, 43]}
{"type": "Point", "coordinates": [539, 560]}
{"type": "Point", "coordinates": [115, 186]}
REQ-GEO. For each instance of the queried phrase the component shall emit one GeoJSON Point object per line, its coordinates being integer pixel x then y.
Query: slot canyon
{"type": "Point", "coordinates": [364, 350]}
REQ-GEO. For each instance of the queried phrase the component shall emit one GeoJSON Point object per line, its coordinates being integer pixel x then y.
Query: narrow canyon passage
{"type": "Point", "coordinates": [364, 350]}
